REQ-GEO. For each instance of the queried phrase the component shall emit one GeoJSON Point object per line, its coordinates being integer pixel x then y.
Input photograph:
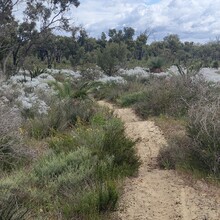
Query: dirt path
{"type": "Point", "coordinates": [160, 194]}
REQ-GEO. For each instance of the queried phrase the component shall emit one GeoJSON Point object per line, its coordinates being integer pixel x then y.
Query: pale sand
{"type": "Point", "coordinates": [156, 194]}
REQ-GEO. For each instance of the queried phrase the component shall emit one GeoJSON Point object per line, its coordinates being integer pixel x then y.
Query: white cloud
{"type": "Point", "coordinates": [191, 19]}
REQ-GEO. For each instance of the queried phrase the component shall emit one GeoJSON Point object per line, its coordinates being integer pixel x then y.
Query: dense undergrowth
{"type": "Point", "coordinates": [78, 174]}
{"type": "Point", "coordinates": [187, 100]}
{"type": "Point", "coordinates": [68, 163]}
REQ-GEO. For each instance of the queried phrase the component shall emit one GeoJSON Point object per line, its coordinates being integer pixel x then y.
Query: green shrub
{"type": "Point", "coordinates": [110, 91]}
{"type": "Point", "coordinates": [155, 64]}
{"type": "Point", "coordinates": [171, 96]}
{"type": "Point", "coordinates": [36, 72]}
{"type": "Point", "coordinates": [107, 196]}
{"type": "Point", "coordinates": [107, 138]}
{"type": "Point", "coordinates": [62, 143]}
{"type": "Point", "coordinates": [130, 99]}
{"type": "Point", "coordinates": [60, 117]}
{"type": "Point", "coordinates": [54, 166]}
{"type": "Point", "coordinates": [117, 144]}
{"type": "Point", "coordinates": [215, 64]}
{"type": "Point", "coordinates": [77, 179]}
{"type": "Point", "coordinates": [46, 125]}
{"type": "Point", "coordinates": [112, 58]}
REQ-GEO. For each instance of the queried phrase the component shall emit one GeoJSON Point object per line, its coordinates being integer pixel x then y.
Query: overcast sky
{"type": "Point", "coordinates": [196, 20]}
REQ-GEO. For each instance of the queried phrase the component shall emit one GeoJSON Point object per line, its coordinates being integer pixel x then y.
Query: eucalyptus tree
{"type": "Point", "coordinates": [8, 27]}
{"type": "Point", "coordinates": [40, 17]}
{"type": "Point", "coordinates": [140, 46]}
{"type": "Point", "coordinates": [112, 58]}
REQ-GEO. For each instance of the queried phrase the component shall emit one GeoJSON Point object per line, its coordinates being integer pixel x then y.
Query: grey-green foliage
{"type": "Point", "coordinates": [78, 180]}
{"type": "Point", "coordinates": [171, 96]}
{"type": "Point", "coordinates": [78, 162]}
{"type": "Point", "coordinates": [112, 58]}
{"type": "Point", "coordinates": [204, 130]}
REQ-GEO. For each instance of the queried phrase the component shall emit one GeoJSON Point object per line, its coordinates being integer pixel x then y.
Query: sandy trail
{"type": "Point", "coordinates": [160, 194]}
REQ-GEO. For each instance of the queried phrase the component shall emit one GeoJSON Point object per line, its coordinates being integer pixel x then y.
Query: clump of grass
{"type": "Point", "coordinates": [11, 209]}
{"type": "Point", "coordinates": [12, 196]}
{"type": "Point", "coordinates": [54, 167]}
{"type": "Point", "coordinates": [10, 156]}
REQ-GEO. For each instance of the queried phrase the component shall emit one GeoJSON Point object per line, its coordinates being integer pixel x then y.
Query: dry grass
{"type": "Point", "coordinates": [170, 126]}
{"type": "Point", "coordinates": [204, 130]}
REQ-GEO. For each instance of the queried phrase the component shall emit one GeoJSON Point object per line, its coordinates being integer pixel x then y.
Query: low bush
{"type": "Point", "coordinates": [170, 96]}
{"type": "Point", "coordinates": [117, 144]}
{"type": "Point", "coordinates": [155, 64]}
{"type": "Point", "coordinates": [11, 209]}
{"type": "Point", "coordinates": [90, 72]}
{"type": "Point", "coordinates": [215, 64]}
{"type": "Point", "coordinates": [176, 154]}
{"type": "Point", "coordinates": [77, 178]}
{"type": "Point", "coordinates": [36, 72]}
{"type": "Point", "coordinates": [130, 99]}
{"type": "Point", "coordinates": [62, 143]}
{"type": "Point", "coordinates": [10, 156]}
{"type": "Point", "coordinates": [204, 130]}
{"type": "Point", "coordinates": [198, 148]}
{"type": "Point", "coordinates": [60, 117]}
{"type": "Point", "coordinates": [46, 125]}
{"type": "Point", "coordinates": [113, 92]}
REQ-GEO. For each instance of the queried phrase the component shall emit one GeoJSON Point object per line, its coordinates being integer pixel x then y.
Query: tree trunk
{"type": "Point", "coordinates": [4, 65]}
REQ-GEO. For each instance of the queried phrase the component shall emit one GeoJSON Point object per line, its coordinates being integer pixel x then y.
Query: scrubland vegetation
{"type": "Point", "coordinates": [69, 162]}
{"type": "Point", "coordinates": [186, 108]}
{"type": "Point", "coordinates": [78, 173]}
{"type": "Point", "coordinates": [64, 157]}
